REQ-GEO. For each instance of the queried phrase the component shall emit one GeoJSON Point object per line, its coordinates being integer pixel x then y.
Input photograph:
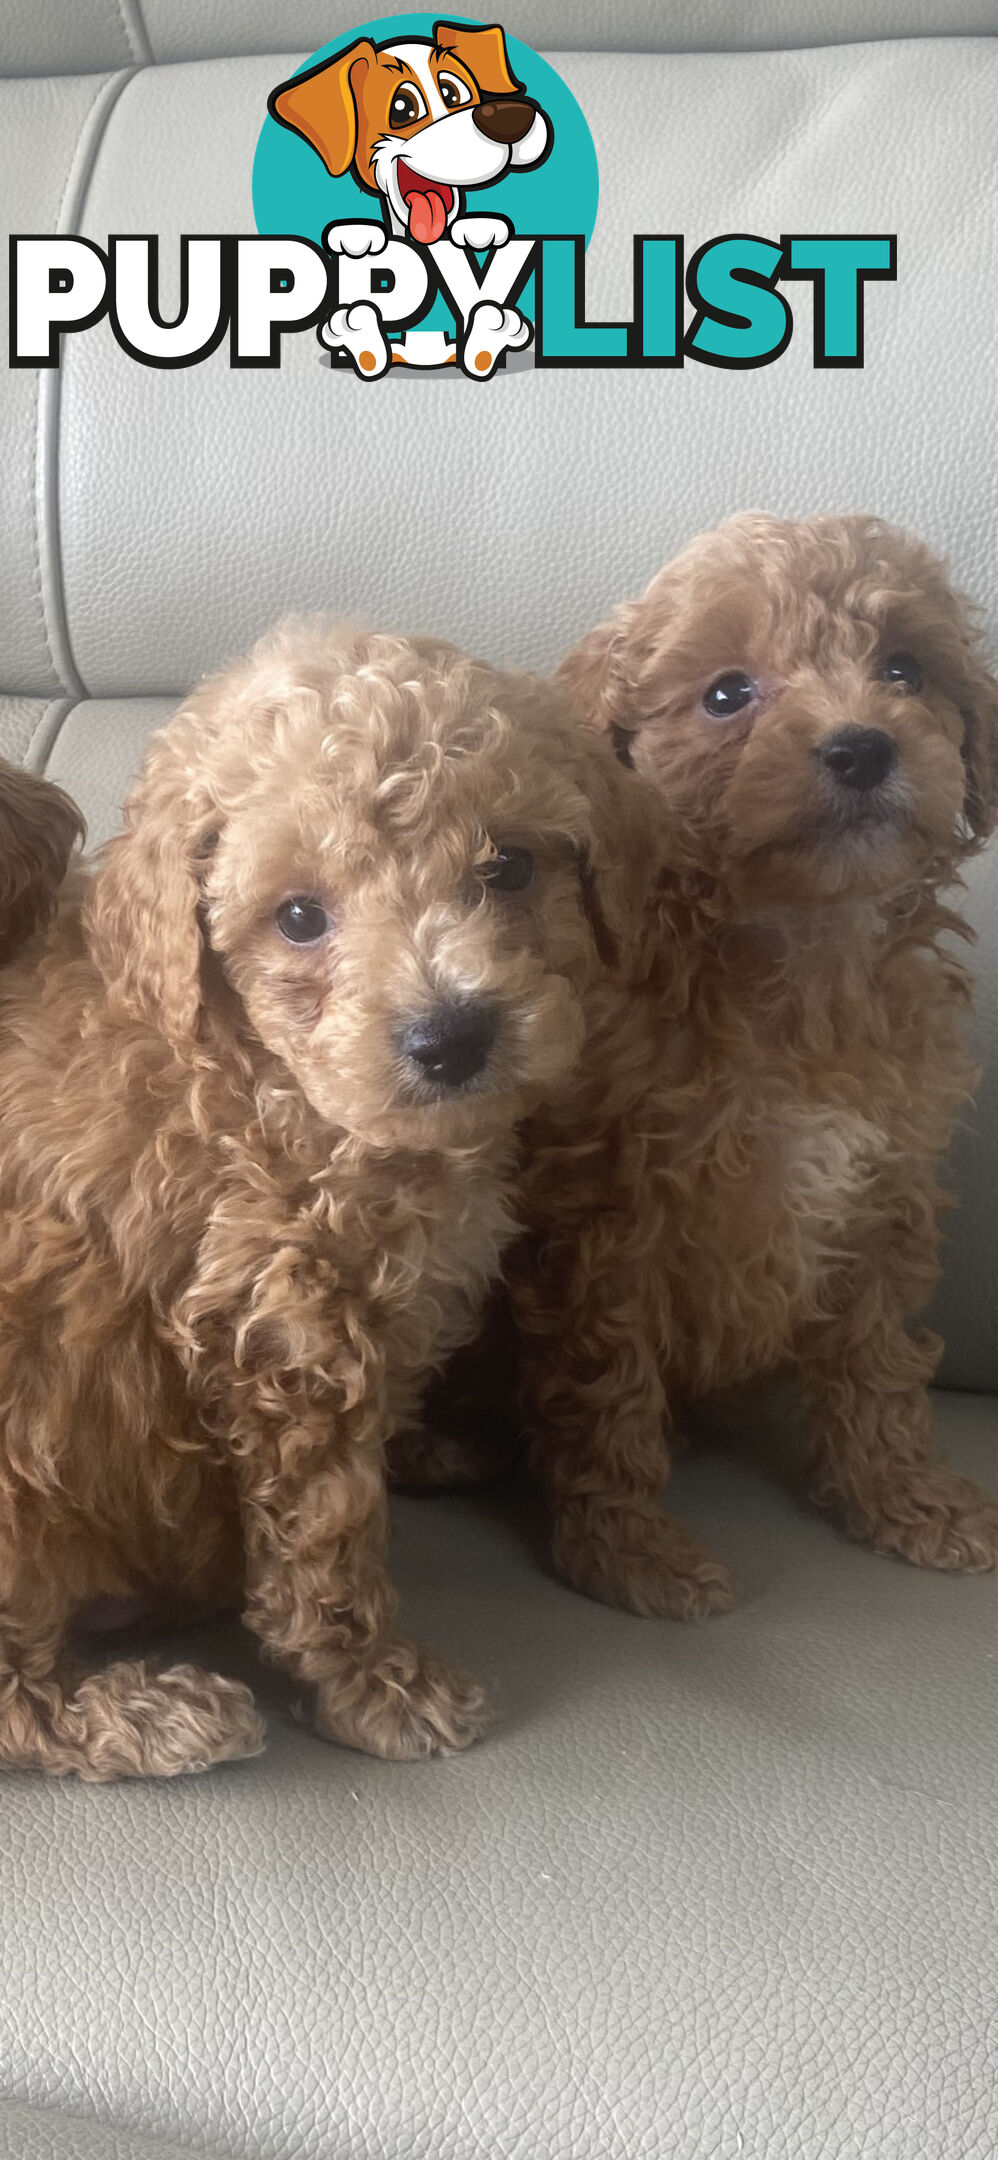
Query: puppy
{"type": "Point", "coordinates": [39, 827]}
{"type": "Point", "coordinates": [810, 705]}
{"type": "Point", "coordinates": [257, 1145]}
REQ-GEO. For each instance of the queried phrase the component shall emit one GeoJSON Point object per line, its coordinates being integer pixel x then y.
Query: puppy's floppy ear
{"type": "Point", "coordinates": [949, 624]}
{"type": "Point", "coordinates": [980, 749]}
{"type": "Point", "coordinates": [483, 53]}
{"type": "Point", "coordinates": [39, 827]}
{"type": "Point", "coordinates": [321, 105]}
{"type": "Point", "coordinates": [595, 676]}
{"type": "Point", "coordinates": [142, 914]}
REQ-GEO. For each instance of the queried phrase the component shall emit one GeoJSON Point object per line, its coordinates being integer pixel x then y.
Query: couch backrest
{"type": "Point", "coordinates": [85, 34]}
{"type": "Point", "coordinates": [155, 522]}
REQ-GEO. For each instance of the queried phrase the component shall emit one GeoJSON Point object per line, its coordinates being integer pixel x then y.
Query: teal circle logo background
{"type": "Point", "coordinates": [293, 193]}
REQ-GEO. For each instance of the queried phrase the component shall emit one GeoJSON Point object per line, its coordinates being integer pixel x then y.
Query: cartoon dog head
{"type": "Point", "coordinates": [417, 121]}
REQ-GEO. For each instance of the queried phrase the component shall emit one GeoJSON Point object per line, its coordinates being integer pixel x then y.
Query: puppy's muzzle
{"type": "Point", "coordinates": [504, 120]}
{"type": "Point", "coordinates": [858, 757]}
{"type": "Point", "coordinates": [451, 1046]}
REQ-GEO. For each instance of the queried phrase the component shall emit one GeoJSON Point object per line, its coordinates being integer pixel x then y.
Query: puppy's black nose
{"type": "Point", "coordinates": [504, 120]}
{"type": "Point", "coordinates": [452, 1044]}
{"type": "Point", "coordinates": [861, 757]}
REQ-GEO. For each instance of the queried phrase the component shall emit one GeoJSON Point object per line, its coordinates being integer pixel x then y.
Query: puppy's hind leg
{"type": "Point", "coordinates": [125, 1721]}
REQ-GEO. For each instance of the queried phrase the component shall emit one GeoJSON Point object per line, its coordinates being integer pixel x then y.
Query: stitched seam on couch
{"type": "Point", "coordinates": [133, 24]}
{"type": "Point", "coordinates": [46, 734]}
{"type": "Point", "coordinates": [602, 49]}
{"type": "Point", "coordinates": [47, 497]}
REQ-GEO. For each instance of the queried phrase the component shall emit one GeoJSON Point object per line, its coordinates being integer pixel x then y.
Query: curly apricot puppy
{"type": "Point", "coordinates": [810, 702]}
{"type": "Point", "coordinates": [39, 828]}
{"type": "Point", "coordinates": [257, 1115]}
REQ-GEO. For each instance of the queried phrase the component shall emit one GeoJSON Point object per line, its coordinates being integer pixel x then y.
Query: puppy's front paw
{"type": "Point", "coordinates": [129, 1720]}
{"type": "Point", "coordinates": [480, 232]}
{"type": "Point", "coordinates": [933, 1517]}
{"type": "Point", "coordinates": [361, 237]}
{"type": "Point", "coordinates": [638, 1557]}
{"type": "Point", "coordinates": [409, 1703]}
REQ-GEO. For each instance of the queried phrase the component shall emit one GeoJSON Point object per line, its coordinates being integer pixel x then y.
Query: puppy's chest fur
{"type": "Point", "coordinates": [794, 1120]}
{"type": "Point", "coordinates": [425, 1256]}
{"type": "Point", "coordinates": [764, 1195]}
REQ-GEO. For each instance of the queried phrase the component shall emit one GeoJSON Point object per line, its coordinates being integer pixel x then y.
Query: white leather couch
{"type": "Point", "coordinates": [718, 1892]}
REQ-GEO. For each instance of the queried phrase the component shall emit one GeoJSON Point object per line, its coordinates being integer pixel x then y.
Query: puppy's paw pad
{"type": "Point", "coordinates": [643, 1561]}
{"type": "Point", "coordinates": [357, 331]}
{"type": "Point", "coordinates": [491, 331]}
{"type": "Point", "coordinates": [412, 1703]}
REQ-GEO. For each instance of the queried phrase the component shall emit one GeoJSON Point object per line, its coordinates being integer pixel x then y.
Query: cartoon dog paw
{"type": "Point", "coordinates": [480, 232]}
{"type": "Point", "coordinates": [355, 240]}
{"type": "Point", "coordinates": [357, 330]}
{"type": "Point", "coordinates": [491, 331]}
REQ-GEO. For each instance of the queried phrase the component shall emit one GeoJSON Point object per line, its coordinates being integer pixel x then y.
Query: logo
{"type": "Point", "coordinates": [424, 194]}
{"type": "Point", "coordinates": [416, 153]}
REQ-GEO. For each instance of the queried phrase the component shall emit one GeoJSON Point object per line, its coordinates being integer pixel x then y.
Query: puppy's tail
{"type": "Point", "coordinates": [126, 1721]}
{"type": "Point", "coordinates": [39, 828]}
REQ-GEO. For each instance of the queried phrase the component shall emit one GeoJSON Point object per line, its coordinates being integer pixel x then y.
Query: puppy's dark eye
{"type": "Point", "coordinates": [406, 106]}
{"type": "Point", "coordinates": [729, 695]}
{"type": "Point", "coordinates": [453, 92]}
{"type": "Point", "coordinates": [302, 920]}
{"type": "Point", "coordinates": [902, 668]}
{"type": "Point", "coordinates": [510, 869]}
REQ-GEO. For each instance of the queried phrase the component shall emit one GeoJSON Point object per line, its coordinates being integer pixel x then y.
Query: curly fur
{"type": "Point", "coordinates": [763, 1190]}
{"type": "Point", "coordinates": [39, 828]}
{"type": "Point", "coordinates": [238, 1228]}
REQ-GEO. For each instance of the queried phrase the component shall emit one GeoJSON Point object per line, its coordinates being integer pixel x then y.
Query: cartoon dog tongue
{"type": "Point", "coordinates": [427, 214]}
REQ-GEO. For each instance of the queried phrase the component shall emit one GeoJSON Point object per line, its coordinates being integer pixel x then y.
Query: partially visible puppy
{"type": "Point", "coordinates": [258, 1113]}
{"type": "Point", "coordinates": [811, 705]}
{"type": "Point", "coordinates": [39, 827]}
